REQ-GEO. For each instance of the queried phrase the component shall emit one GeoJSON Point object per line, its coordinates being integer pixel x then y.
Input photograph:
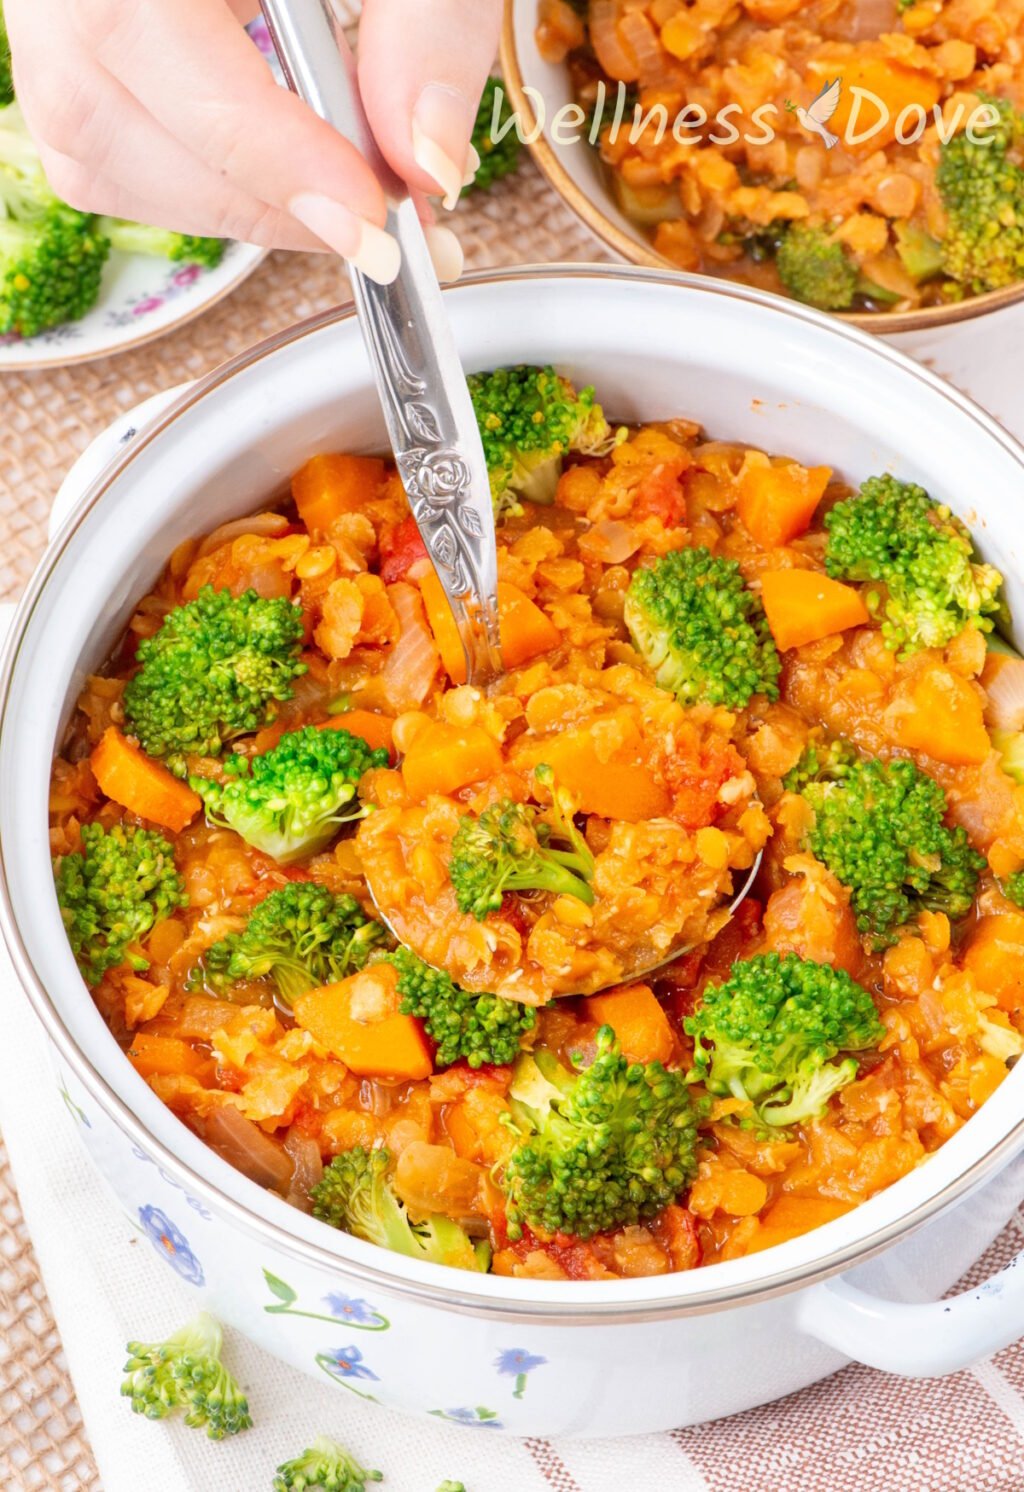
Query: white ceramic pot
{"type": "Point", "coordinates": [531, 1357]}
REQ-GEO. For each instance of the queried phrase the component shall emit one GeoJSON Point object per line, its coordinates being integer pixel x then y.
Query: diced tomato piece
{"type": "Point", "coordinates": [400, 550]}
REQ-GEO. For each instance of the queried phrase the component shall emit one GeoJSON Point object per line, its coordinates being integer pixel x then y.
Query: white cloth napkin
{"type": "Point", "coordinates": [105, 1288]}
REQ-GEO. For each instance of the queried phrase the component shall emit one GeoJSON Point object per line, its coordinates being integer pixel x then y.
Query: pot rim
{"type": "Point", "coordinates": [540, 1302]}
{"type": "Point", "coordinates": [591, 212]}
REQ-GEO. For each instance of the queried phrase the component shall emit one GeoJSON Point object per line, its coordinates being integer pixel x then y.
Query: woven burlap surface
{"type": "Point", "coordinates": [47, 418]}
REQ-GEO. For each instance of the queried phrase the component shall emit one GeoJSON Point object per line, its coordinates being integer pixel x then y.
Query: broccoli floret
{"type": "Point", "coordinates": [113, 892]}
{"type": "Point", "coordinates": [301, 937]}
{"type": "Point", "coordinates": [498, 158]}
{"type": "Point", "coordinates": [514, 847]}
{"type": "Point", "coordinates": [921, 557]}
{"type": "Point", "coordinates": [599, 1149]}
{"type": "Point", "coordinates": [982, 191]}
{"type": "Point", "coordinates": [769, 1034]}
{"type": "Point", "coordinates": [880, 828]}
{"type": "Point", "coordinates": [51, 257]}
{"type": "Point", "coordinates": [1013, 888]}
{"type": "Point", "coordinates": [921, 254]}
{"type": "Point", "coordinates": [213, 672]}
{"type": "Point", "coordinates": [705, 635]}
{"type": "Point", "coordinates": [530, 419]}
{"type": "Point", "coordinates": [815, 269]}
{"type": "Point", "coordinates": [185, 1372]}
{"type": "Point", "coordinates": [162, 243]}
{"type": "Point", "coordinates": [475, 1029]}
{"type": "Point", "coordinates": [325, 1465]}
{"type": "Point", "coordinates": [356, 1196]}
{"type": "Point", "coordinates": [6, 71]}
{"type": "Point", "coordinates": [291, 801]}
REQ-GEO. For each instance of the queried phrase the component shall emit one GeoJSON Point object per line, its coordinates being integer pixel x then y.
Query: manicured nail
{"type": "Point", "coordinates": [472, 166]}
{"type": "Point", "coordinates": [446, 253]}
{"type": "Point", "coordinates": [442, 123]}
{"type": "Point", "coordinates": [356, 239]}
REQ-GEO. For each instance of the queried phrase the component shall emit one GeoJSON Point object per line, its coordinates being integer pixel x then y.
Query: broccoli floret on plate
{"type": "Point", "coordinates": [51, 257]}
{"type": "Point", "coordinates": [356, 1195]}
{"type": "Point", "coordinates": [598, 1149]}
{"type": "Point", "coordinates": [213, 672]}
{"type": "Point", "coordinates": [880, 828]}
{"type": "Point", "coordinates": [816, 269]}
{"type": "Point", "coordinates": [162, 243]}
{"type": "Point", "coordinates": [921, 558]}
{"type": "Point", "coordinates": [301, 937]}
{"type": "Point", "coordinates": [186, 1372]}
{"type": "Point", "coordinates": [6, 71]}
{"type": "Point", "coordinates": [530, 419]}
{"type": "Point", "coordinates": [703, 633]}
{"type": "Point", "coordinates": [476, 1029]}
{"type": "Point", "coordinates": [324, 1466]}
{"type": "Point", "coordinates": [291, 801]}
{"type": "Point", "coordinates": [113, 892]}
{"type": "Point", "coordinates": [770, 1033]}
{"type": "Point", "coordinates": [981, 184]}
{"type": "Point", "coordinates": [518, 847]}
{"type": "Point", "coordinates": [498, 158]}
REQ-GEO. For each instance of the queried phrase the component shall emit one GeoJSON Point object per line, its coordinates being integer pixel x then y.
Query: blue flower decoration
{"type": "Point", "coordinates": [347, 1362]}
{"type": "Point", "coordinates": [171, 1244]}
{"type": "Point", "coordinates": [484, 1419]}
{"type": "Point", "coordinates": [347, 1308]}
{"type": "Point", "coordinates": [516, 1360]}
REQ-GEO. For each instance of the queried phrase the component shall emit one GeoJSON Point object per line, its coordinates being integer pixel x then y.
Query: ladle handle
{"type": "Point", "coordinates": [422, 387]}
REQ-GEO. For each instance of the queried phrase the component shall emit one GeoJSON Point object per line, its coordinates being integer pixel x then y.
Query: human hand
{"type": "Point", "coordinates": [165, 113]}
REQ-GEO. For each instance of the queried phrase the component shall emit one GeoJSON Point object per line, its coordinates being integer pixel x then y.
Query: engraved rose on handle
{"type": "Point", "coordinates": [434, 476]}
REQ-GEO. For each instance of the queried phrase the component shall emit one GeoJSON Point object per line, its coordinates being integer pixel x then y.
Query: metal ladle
{"type": "Point", "coordinates": [420, 381]}
{"type": "Point", "coordinates": [422, 387]}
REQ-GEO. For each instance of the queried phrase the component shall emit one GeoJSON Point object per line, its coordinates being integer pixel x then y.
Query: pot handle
{"type": "Point", "coordinates": [103, 449]}
{"type": "Point", "coordinates": [917, 1341]}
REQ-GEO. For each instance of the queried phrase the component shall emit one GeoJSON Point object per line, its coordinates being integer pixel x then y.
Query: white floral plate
{"type": "Point", "coordinates": [141, 298]}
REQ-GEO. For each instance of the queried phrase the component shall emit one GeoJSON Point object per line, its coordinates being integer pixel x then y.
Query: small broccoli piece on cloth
{"type": "Point", "coordinates": [301, 936]}
{"type": "Point", "coordinates": [291, 801]}
{"type": "Point", "coordinates": [112, 892]}
{"type": "Point", "coordinates": [480, 1030]}
{"type": "Point", "coordinates": [498, 158]}
{"type": "Point", "coordinates": [769, 1034]}
{"type": "Point", "coordinates": [702, 632]}
{"type": "Point", "coordinates": [213, 672]}
{"type": "Point", "coordinates": [324, 1466]}
{"type": "Point", "coordinates": [355, 1194]}
{"type": "Point", "coordinates": [530, 419]}
{"type": "Point", "coordinates": [880, 827]}
{"type": "Point", "coordinates": [186, 1372]}
{"type": "Point", "coordinates": [599, 1149]}
{"type": "Point", "coordinates": [921, 558]}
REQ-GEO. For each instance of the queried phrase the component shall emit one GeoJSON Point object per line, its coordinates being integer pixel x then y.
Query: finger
{"type": "Point", "coordinates": [220, 101]}
{"type": "Point", "coordinates": [422, 68]}
{"type": "Point", "coordinates": [121, 151]}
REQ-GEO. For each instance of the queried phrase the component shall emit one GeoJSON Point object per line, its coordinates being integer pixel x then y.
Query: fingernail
{"type": "Point", "coordinates": [442, 124]}
{"type": "Point", "coordinates": [472, 166]}
{"type": "Point", "coordinates": [446, 253]}
{"type": "Point", "coordinates": [356, 239]}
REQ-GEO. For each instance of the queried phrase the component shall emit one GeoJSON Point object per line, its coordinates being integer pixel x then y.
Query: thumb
{"type": "Point", "coordinates": [422, 69]}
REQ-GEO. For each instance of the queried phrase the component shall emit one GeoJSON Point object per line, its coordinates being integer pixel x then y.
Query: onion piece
{"type": "Point", "coordinates": [244, 1145]}
{"type": "Point", "coordinates": [639, 37]}
{"type": "Point", "coordinates": [308, 1167]}
{"type": "Point", "coordinates": [1003, 680]}
{"type": "Point", "coordinates": [611, 541]}
{"type": "Point", "coordinates": [409, 673]}
{"type": "Point", "coordinates": [613, 56]}
{"type": "Point", "coordinates": [264, 525]}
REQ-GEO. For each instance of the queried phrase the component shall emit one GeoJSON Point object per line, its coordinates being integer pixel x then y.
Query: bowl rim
{"type": "Point", "coordinates": [581, 1304]}
{"type": "Point", "coordinates": [547, 159]}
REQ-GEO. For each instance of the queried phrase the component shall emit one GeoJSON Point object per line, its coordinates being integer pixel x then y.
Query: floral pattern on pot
{"type": "Point", "coordinates": [77, 1113]}
{"type": "Point", "coordinates": [347, 1308]}
{"type": "Point", "coordinates": [517, 1363]}
{"type": "Point", "coordinates": [169, 1180]}
{"type": "Point", "coordinates": [484, 1419]}
{"type": "Point", "coordinates": [171, 1244]}
{"type": "Point", "coordinates": [345, 1364]}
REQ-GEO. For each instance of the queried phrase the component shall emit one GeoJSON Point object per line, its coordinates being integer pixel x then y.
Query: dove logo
{"type": "Point", "coordinates": [816, 117]}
